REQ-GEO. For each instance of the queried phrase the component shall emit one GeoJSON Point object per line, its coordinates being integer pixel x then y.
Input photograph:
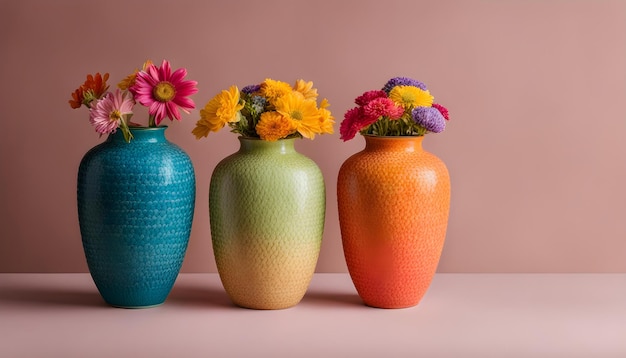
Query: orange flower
{"type": "Point", "coordinates": [306, 88]}
{"type": "Point", "coordinates": [94, 88]}
{"type": "Point", "coordinates": [77, 98]}
{"type": "Point", "coordinates": [129, 81]}
{"type": "Point", "coordinates": [274, 126]}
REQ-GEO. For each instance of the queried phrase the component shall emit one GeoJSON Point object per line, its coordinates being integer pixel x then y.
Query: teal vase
{"type": "Point", "coordinates": [267, 205]}
{"type": "Point", "coordinates": [135, 208]}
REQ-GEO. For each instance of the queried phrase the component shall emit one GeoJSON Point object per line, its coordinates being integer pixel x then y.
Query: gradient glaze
{"type": "Point", "coordinates": [393, 200]}
{"type": "Point", "coordinates": [267, 206]}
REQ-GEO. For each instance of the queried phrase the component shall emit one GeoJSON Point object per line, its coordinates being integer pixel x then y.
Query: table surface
{"type": "Point", "coordinates": [462, 315]}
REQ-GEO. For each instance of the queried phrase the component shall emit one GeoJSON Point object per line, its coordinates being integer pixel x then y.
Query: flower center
{"type": "Point", "coordinates": [164, 91]}
{"type": "Point", "coordinates": [408, 98]}
{"type": "Point", "coordinates": [296, 115]}
{"type": "Point", "coordinates": [115, 116]}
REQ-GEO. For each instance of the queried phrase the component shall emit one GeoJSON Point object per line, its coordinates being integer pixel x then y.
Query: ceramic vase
{"type": "Point", "coordinates": [267, 208]}
{"type": "Point", "coordinates": [393, 201]}
{"type": "Point", "coordinates": [135, 208]}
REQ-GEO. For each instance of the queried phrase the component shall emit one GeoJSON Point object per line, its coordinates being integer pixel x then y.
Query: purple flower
{"type": "Point", "coordinates": [430, 118]}
{"type": "Point", "coordinates": [443, 110]}
{"type": "Point", "coordinates": [403, 81]}
{"type": "Point", "coordinates": [251, 89]}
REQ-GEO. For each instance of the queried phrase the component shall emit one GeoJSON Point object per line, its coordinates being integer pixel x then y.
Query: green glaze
{"type": "Point", "coordinates": [267, 205]}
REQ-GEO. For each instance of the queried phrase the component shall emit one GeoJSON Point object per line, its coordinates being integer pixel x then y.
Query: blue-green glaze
{"type": "Point", "coordinates": [135, 207]}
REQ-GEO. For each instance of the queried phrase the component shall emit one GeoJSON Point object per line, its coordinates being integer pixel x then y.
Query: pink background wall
{"type": "Point", "coordinates": [536, 89]}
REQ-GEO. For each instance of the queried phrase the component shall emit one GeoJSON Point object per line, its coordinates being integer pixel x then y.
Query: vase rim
{"type": "Point", "coordinates": [147, 128]}
{"type": "Point", "coordinates": [140, 134]}
{"type": "Point", "coordinates": [263, 140]}
{"type": "Point", "coordinates": [393, 136]}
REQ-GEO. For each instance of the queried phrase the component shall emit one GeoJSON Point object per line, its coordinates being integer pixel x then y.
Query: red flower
{"type": "Point", "coordinates": [443, 110]}
{"type": "Point", "coordinates": [369, 96]}
{"type": "Point", "coordinates": [349, 126]}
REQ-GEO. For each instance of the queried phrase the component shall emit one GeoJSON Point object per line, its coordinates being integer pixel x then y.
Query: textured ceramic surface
{"type": "Point", "coordinates": [135, 206]}
{"type": "Point", "coordinates": [267, 207]}
{"type": "Point", "coordinates": [394, 200]}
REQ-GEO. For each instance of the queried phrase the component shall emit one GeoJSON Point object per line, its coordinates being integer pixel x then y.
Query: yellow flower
{"type": "Point", "coordinates": [222, 109]}
{"type": "Point", "coordinates": [410, 96]}
{"type": "Point", "coordinates": [306, 88]}
{"type": "Point", "coordinates": [302, 111]}
{"type": "Point", "coordinates": [272, 90]}
{"type": "Point", "coordinates": [326, 119]}
{"type": "Point", "coordinates": [273, 126]}
{"type": "Point", "coordinates": [127, 82]}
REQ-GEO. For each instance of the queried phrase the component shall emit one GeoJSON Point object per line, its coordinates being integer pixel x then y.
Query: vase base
{"type": "Point", "coordinates": [392, 307]}
{"type": "Point", "coordinates": [390, 303]}
{"type": "Point", "coordinates": [266, 307]}
{"type": "Point", "coordinates": [134, 306]}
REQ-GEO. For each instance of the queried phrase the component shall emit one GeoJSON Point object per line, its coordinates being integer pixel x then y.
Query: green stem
{"type": "Point", "coordinates": [125, 131]}
{"type": "Point", "coordinates": [151, 121]}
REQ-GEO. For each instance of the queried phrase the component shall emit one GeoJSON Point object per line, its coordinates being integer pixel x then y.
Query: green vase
{"type": "Point", "coordinates": [267, 204]}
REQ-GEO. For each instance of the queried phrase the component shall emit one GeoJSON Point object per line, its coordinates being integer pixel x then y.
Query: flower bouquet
{"type": "Point", "coordinates": [270, 111]}
{"type": "Point", "coordinates": [403, 107]}
{"type": "Point", "coordinates": [157, 88]}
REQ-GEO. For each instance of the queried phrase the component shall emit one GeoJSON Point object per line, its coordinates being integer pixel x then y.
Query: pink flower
{"type": "Point", "coordinates": [369, 96]}
{"type": "Point", "coordinates": [163, 92]}
{"type": "Point", "coordinates": [107, 113]}
{"type": "Point", "coordinates": [443, 110]}
{"type": "Point", "coordinates": [382, 106]}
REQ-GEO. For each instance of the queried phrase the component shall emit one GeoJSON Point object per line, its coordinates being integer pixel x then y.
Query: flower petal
{"type": "Point", "coordinates": [164, 71]}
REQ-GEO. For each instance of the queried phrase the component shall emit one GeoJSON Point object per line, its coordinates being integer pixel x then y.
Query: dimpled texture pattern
{"type": "Point", "coordinates": [267, 204]}
{"type": "Point", "coordinates": [135, 205]}
{"type": "Point", "coordinates": [394, 201]}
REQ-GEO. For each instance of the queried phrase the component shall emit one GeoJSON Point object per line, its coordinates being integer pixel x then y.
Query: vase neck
{"type": "Point", "coordinates": [398, 144]}
{"type": "Point", "coordinates": [282, 146]}
{"type": "Point", "coordinates": [141, 135]}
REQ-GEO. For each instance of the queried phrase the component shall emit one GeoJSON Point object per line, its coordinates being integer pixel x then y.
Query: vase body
{"type": "Point", "coordinates": [135, 206]}
{"type": "Point", "coordinates": [267, 205]}
{"type": "Point", "coordinates": [393, 201]}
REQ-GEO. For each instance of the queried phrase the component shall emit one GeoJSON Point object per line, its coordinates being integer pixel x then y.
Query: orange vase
{"type": "Point", "coordinates": [394, 201]}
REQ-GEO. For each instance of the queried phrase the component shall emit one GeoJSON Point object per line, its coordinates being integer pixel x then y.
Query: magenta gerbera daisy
{"type": "Point", "coordinates": [164, 92]}
{"type": "Point", "coordinates": [107, 114]}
